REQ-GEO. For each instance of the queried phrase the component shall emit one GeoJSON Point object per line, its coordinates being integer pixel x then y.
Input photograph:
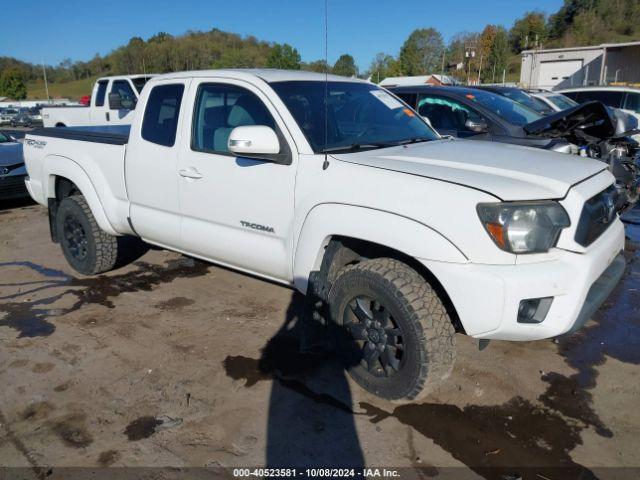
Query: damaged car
{"type": "Point", "coordinates": [590, 130]}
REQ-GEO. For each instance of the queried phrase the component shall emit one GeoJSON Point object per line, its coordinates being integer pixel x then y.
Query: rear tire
{"type": "Point", "coordinates": [87, 248]}
{"type": "Point", "coordinates": [392, 330]}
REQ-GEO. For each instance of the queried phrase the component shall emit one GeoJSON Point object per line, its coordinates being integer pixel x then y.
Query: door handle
{"type": "Point", "coordinates": [190, 173]}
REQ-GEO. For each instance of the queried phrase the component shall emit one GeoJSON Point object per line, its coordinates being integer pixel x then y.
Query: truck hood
{"type": "Point", "coordinates": [506, 171]}
{"type": "Point", "coordinates": [589, 122]}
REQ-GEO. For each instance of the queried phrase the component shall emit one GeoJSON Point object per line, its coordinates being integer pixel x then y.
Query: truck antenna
{"type": "Point", "coordinates": [325, 164]}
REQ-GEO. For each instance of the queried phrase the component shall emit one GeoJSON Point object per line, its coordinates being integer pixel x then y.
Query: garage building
{"type": "Point", "coordinates": [605, 64]}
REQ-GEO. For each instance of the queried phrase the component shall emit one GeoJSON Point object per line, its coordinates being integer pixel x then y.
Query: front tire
{"type": "Point", "coordinates": [392, 330]}
{"type": "Point", "coordinates": [87, 248]}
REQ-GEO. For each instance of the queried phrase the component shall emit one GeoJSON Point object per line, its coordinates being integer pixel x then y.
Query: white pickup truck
{"type": "Point", "coordinates": [342, 191]}
{"type": "Point", "coordinates": [113, 101]}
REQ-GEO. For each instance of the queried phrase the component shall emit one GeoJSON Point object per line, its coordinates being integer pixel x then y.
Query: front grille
{"type": "Point", "coordinates": [13, 187]}
{"type": "Point", "coordinates": [597, 214]}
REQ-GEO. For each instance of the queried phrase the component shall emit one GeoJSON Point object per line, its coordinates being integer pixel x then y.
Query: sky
{"type": "Point", "coordinates": [50, 31]}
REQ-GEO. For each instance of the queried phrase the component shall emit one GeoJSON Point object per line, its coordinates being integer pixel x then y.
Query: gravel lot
{"type": "Point", "coordinates": [173, 362]}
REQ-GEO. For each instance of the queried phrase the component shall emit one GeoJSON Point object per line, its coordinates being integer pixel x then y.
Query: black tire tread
{"type": "Point", "coordinates": [106, 244]}
{"type": "Point", "coordinates": [430, 319]}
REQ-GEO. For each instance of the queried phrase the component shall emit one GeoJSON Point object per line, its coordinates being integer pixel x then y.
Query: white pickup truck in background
{"type": "Point", "coordinates": [113, 100]}
{"type": "Point", "coordinates": [399, 237]}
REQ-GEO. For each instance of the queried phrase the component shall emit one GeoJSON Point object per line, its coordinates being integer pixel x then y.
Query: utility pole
{"type": "Point", "coordinates": [442, 69]}
{"type": "Point", "coordinates": [480, 69]}
{"type": "Point", "coordinates": [470, 54]}
{"type": "Point", "coordinates": [46, 86]}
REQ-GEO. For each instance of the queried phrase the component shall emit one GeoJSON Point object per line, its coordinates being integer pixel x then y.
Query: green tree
{"type": "Point", "coordinates": [421, 53]}
{"type": "Point", "coordinates": [284, 56]}
{"type": "Point", "coordinates": [12, 84]}
{"type": "Point", "coordinates": [530, 31]}
{"type": "Point", "coordinates": [498, 60]}
{"type": "Point", "coordinates": [383, 66]}
{"type": "Point", "coordinates": [319, 66]}
{"type": "Point", "coordinates": [345, 66]}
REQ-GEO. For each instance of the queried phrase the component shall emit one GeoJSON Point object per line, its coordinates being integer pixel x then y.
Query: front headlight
{"type": "Point", "coordinates": [523, 227]}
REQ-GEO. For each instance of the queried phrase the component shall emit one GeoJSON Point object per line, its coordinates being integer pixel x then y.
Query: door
{"type": "Point", "coordinates": [564, 73]}
{"type": "Point", "coordinates": [99, 107]}
{"type": "Point", "coordinates": [120, 116]}
{"type": "Point", "coordinates": [235, 210]}
{"type": "Point", "coordinates": [451, 117]}
{"type": "Point", "coordinates": [151, 165]}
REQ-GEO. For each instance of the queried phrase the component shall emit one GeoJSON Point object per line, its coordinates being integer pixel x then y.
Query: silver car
{"type": "Point", "coordinates": [12, 168]}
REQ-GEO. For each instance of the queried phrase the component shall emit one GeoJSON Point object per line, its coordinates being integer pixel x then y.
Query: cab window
{"type": "Point", "coordinates": [608, 97]}
{"type": "Point", "coordinates": [160, 120]}
{"type": "Point", "coordinates": [101, 93]}
{"type": "Point", "coordinates": [123, 88]}
{"type": "Point", "coordinates": [632, 102]}
{"type": "Point", "coordinates": [218, 110]}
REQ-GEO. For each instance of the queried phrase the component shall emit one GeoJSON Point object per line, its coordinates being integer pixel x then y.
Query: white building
{"type": "Point", "coordinates": [570, 67]}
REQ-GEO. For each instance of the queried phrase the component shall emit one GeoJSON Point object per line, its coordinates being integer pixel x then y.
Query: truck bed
{"type": "Point", "coordinates": [109, 134]}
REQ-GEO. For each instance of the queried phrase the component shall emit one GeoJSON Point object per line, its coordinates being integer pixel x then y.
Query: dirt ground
{"type": "Point", "coordinates": [173, 362]}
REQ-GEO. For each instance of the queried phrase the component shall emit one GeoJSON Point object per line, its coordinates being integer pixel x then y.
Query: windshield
{"type": "Point", "coordinates": [358, 115]}
{"type": "Point", "coordinates": [526, 100]}
{"type": "Point", "coordinates": [562, 102]}
{"type": "Point", "coordinates": [4, 138]}
{"type": "Point", "coordinates": [504, 107]}
{"type": "Point", "coordinates": [140, 82]}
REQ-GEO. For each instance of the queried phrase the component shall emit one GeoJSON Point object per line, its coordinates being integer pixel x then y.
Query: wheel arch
{"type": "Point", "coordinates": [64, 176]}
{"type": "Point", "coordinates": [335, 236]}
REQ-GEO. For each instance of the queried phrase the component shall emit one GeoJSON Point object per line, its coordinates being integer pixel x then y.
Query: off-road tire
{"type": "Point", "coordinates": [427, 331]}
{"type": "Point", "coordinates": [101, 250]}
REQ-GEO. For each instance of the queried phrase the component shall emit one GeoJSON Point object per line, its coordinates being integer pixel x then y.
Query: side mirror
{"type": "Point", "coordinates": [253, 140]}
{"type": "Point", "coordinates": [479, 126]}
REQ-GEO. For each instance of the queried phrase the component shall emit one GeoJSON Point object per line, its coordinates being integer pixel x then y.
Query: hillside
{"type": "Point", "coordinates": [72, 90]}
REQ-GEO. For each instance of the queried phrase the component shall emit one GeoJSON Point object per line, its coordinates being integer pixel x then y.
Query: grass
{"type": "Point", "coordinates": [71, 90]}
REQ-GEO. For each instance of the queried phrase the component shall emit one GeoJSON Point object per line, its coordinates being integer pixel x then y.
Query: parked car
{"type": "Point", "coordinates": [112, 103]}
{"type": "Point", "coordinates": [7, 114]}
{"type": "Point", "coordinates": [482, 115]}
{"type": "Point", "coordinates": [12, 168]}
{"type": "Point", "coordinates": [555, 100]}
{"type": "Point", "coordinates": [624, 98]}
{"type": "Point", "coordinates": [337, 188]}
{"type": "Point", "coordinates": [520, 96]}
{"type": "Point", "coordinates": [21, 120]}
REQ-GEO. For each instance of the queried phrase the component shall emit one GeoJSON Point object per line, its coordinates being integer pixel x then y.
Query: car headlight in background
{"type": "Point", "coordinates": [523, 227]}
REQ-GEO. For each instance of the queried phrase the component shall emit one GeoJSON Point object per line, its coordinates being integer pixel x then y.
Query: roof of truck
{"type": "Point", "coordinates": [267, 74]}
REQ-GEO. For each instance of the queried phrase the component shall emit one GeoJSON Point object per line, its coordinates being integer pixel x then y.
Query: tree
{"type": "Point", "coordinates": [421, 53]}
{"type": "Point", "coordinates": [12, 84]}
{"type": "Point", "coordinates": [530, 31]}
{"type": "Point", "coordinates": [383, 66]}
{"type": "Point", "coordinates": [284, 56]}
{"type": "Point", "coordinates": [319, 66]}
{"type": "Point", "coordinates": [498, 60]}
{"type": "Point", "coordinates": [345, 66]}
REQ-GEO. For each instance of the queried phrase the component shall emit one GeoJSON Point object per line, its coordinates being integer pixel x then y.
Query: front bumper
{"type": "Point", "coordinates": [487, 297]}
{"type": "Point", "coordinates": [13, 186]}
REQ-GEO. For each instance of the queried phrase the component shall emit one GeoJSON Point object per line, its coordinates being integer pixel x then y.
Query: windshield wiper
{"type": "Point", "coordinates": [413, 140]}
{"type": "Point", "coordinates": [356, 146]}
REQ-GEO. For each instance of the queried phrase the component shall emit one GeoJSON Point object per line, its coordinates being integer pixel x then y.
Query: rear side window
{"type": "Point", "coordinates": [101, 93]}
{"type": "Point", "coordinates": [160, 120]}
{"type": "Point", "coordinates": [608, 97]}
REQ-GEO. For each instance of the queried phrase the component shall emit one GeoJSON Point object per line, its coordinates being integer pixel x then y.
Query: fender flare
{"type": "Point", "coordinates": [391, 230]}
{"type": "Point", "coordinates": [59, 166]}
